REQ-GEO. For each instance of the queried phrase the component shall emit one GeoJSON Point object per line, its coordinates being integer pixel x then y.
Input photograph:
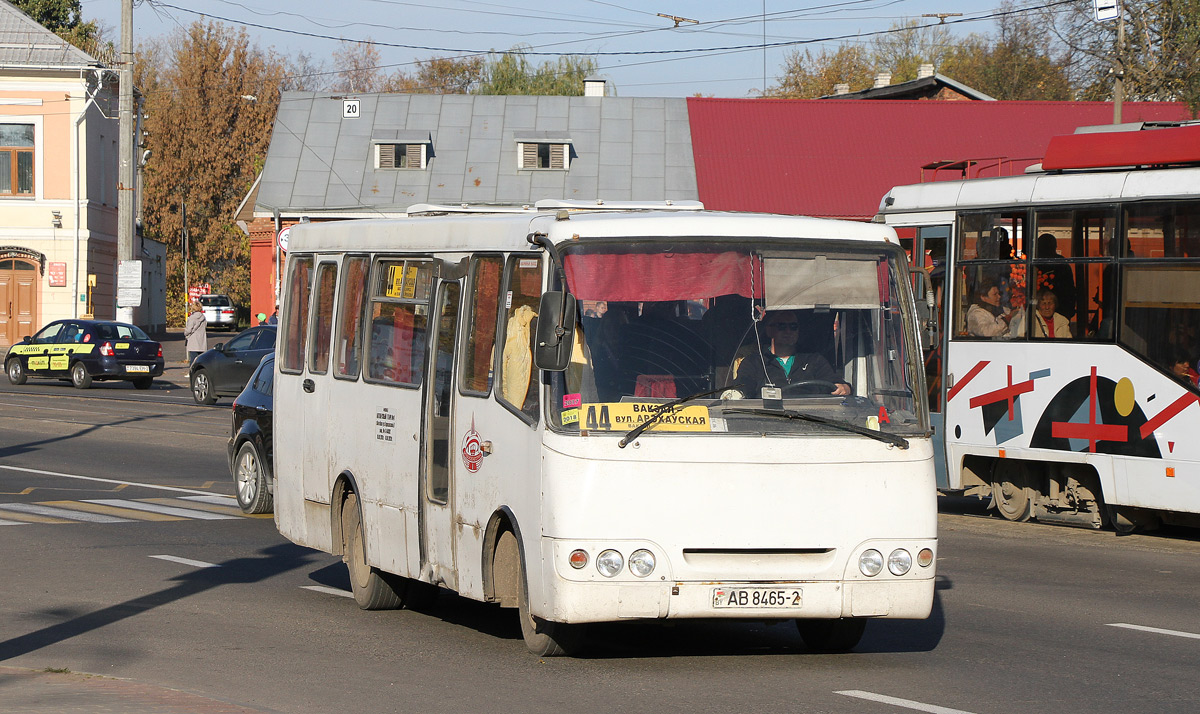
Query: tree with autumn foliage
{"type": "Point", "coordinates": [211, 99]}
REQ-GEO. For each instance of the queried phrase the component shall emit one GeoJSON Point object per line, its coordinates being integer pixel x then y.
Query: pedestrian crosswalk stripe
{"type": "Point", "coordinates": [13, 523]}
{"type": "Point", "coordinates": [116, 511]}
{"type": "Point", "coordinates": [200, 506]}
{"type": "Point", "coordinates": [215, 500]}
{"type": "Point", "coordinates": [327, 590]}
{"type": "Point", "coordinates": [40, 510]}
{"type": "Point", "coordinates": [32, 518]}
{"type": "Point", "coordinates": [157, 508]}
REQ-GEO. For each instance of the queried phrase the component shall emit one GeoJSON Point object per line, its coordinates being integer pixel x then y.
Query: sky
{"type": "Point", "coordinates": [722, 54]}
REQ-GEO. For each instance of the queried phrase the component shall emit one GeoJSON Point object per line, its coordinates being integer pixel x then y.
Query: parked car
{"type": "Point", "coordinates": [83, 351]}
{"type": "Point", "coordinates": [220, 312]}
{"type": "Point", "coordinates": [223, 370]}
{"type": "Point", "coordinates": [250, 442]}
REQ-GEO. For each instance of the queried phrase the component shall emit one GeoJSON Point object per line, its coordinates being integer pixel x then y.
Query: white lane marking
{"type": "Point", "coordinates": [61, 513]}
{"type": "Point", "coordinates": [186, 561]}
{"type": "Point", "coordinates": [12, 523]}
{"type": "Point", "coordinates": [1156, 630]}
{"type": "Point", "coordinates": [156, 508]}
{"type": "Point", "coordinates": [906, 703]}
{"type": "Point", "coordinates": [327, 590]}
{"type": "Point", "coordinates": [105, 480]}
{"type": "Point", "coordinates": [217, 500]}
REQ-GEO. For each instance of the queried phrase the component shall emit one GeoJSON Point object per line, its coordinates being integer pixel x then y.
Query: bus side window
{"type": "Point", "coordinates": [518, 376]}
{"type": "Point", "coordinates": [479, 351]}
{"type": "Point", "coordinates": [318, 351]}
{"type": "Point", "coordinates": [399, 314]}
{"type": "Point", "coordinates": [295, 325]}
{"type": "Point", "coordinates": [349, 346]}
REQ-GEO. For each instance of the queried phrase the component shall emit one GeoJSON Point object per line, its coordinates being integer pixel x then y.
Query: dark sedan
{"type": "Point", "coordinates": [224, 370]}
{"type": "Point", "coordinates": [250, 441]}
{"type": "Point", "coordinates": [83, 351]}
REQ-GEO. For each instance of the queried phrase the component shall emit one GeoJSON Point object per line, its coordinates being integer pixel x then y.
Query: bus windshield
{"type": "Point", "coordinates": [811, 327]}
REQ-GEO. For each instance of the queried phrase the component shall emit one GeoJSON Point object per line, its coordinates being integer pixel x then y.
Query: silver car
{"type": "Point", "coordinates": [219, 311]}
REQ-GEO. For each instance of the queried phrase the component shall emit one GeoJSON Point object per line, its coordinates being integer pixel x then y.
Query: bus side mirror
{"type": "Point", "coordinates": [555, 335]}
{"type": "Point", "coordinates": [927, 324]}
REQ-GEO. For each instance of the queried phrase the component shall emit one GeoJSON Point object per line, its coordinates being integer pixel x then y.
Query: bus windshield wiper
{"type": "Point", "coordinates": [844, 426]}
{"type": "Point", "coordinates": [665, 409]}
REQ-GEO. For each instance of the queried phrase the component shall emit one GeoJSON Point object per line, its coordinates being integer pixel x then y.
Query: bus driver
{"type": "Point", "coordinates": [782, 361]}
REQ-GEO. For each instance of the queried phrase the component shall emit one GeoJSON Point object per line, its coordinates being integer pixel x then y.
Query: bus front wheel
{"type": "Point", "coordinates": [542, 638]}
{"type": "Point", "coordinates": [373, 589]}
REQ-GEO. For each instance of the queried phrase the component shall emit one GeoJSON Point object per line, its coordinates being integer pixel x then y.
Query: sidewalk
{"type": "Point", "coordinates": [27, 691]}
{"type": "Point", "coordinates": [175, 367]}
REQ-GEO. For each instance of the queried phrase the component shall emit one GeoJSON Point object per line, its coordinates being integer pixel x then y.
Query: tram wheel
{"type": "Point", "coordinates": [1011, 494]}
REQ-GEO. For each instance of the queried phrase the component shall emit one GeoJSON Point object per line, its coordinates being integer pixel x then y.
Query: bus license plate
{"type": "Point", "coordinates": [757, 597]}
{"type": "Point", "coordinates": [137, 368]}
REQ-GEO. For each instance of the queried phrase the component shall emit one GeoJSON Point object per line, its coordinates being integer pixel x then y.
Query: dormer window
{"type": "Point", "coordinates": [544, 150]}
{"type": "Point", "coordinates": [402, 149]}
{"type": "Point", "coordinates": [400, 156]}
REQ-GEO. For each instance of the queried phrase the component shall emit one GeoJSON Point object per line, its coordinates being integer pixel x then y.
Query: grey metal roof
{"type": "Point", "coordinates": [900, 90]}
{"type": "Point", "coordinates": [622, 149]}
{"type": "Point", "coordinates": [25, 43]}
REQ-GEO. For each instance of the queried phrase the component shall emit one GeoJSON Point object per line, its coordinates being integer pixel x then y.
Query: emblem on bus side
{"type": "Point", "coordinates": [472, 448]}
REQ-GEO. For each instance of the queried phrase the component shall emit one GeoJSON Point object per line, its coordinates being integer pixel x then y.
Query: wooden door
{"type": "Point", "coordinates": [18, 300]}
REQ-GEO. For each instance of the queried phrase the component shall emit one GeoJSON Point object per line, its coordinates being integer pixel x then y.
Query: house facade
{"type": "Point", "coordinates": [58, 183]}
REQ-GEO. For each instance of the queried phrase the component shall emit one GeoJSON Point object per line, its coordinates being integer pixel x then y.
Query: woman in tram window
{"type": "Point", "coordinates": [987, 317]}
{"type": "Point", "coordinates": [1047, 321]}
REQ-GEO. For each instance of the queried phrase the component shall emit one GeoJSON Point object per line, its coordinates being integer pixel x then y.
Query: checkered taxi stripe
{"type": "Point", "coordinates": [120, 510]}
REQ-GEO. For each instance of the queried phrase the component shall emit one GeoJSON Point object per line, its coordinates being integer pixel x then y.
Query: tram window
{"type": "Point", "coordinates": [518, 375]}
{"type": "Point", "coordinates": [1161, 314]}
{"type": "Point", "coordinates": [399, 315]}
{"type": "Point", "coordinates": [1163, 230]}
{"type": "Point", "coordinates": [479, 352]}
{"type": "Point", "coordinates": [1075, 234]}
{"type": "Point", "coordinates": [991, 301]}
{"type": "Point", "coordinates": [349, 350]}
{"type": "Point", "coordinates": [994, 235]}
{"type": "Point", "coordinates": [295, 324]}
{"type": "Point", "coordinates": [322, 329]}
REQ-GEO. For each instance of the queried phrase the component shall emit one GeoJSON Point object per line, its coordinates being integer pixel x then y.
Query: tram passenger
{"type": "Point", "coordinates": [987, 317]}
{"type": "Point", "coordinates": [1047, 321]}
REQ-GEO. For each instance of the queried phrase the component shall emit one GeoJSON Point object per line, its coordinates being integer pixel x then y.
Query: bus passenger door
{"type": "Point", "coordinates": [437, 533]}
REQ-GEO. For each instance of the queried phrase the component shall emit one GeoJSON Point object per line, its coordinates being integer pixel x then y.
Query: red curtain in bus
{"type": "Point", "coordinates": [655, 277]}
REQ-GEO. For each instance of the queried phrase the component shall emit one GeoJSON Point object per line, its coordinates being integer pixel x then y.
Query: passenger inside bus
{"type": "Point", "coordinates": [1057, 277]}
{"type": "Point", "coordinates": [1182, 368]}
{"type": "Point", "coordinates": [784, 361]}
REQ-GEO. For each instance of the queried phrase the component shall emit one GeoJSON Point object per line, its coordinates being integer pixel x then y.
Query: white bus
{"type": "Point", "coordinates": [448, 416]}
{"type": "Point", "coordinates": [1071, 320]}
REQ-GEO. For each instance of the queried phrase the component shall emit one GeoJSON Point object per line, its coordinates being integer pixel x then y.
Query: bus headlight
{"type": "Point", "coordinates": [641, 563]}
{"type": "Point", "coordinates": [870, 563]}
{"type": "Point", "coordinates": [609, 563]}
{"type": "Point", "coordinates": [899, 562]}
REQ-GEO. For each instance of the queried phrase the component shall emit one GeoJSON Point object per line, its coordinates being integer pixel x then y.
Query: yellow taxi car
{"type": "Point", "coordinates": [85, 350]}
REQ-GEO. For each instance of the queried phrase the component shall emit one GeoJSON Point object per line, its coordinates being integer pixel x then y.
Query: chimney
{"type": "Point", "coordinates": [841, 89]}
{"type": "Point", "coordinates": [925, 70]}
{"type": "Point", "coordinates": [883, 79]}
{"type": "Point", "coordinates": [593, 86]}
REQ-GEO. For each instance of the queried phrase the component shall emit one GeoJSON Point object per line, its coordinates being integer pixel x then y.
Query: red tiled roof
{"type": "Point", "coordinates": [837, 159]}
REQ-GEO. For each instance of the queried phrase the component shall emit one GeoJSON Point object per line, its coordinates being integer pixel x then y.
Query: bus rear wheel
{"type": "Point", "coordinates": [373, 589]}
{"type": "Point", "coordinates": [839, 635]}
{"type": "Point", "coordinates": [542, 638]}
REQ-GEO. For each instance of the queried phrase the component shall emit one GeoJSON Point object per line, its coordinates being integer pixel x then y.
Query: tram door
{"type": "Point", "coordinates": [18, 300]}
{"type": "Point", "coordinates": [930, 249]}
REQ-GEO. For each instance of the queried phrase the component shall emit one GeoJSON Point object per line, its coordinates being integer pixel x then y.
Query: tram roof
{"type": "Point", "coordinates": [507, 231]}
{"type": "Point", "coordinates": [1043, 189]}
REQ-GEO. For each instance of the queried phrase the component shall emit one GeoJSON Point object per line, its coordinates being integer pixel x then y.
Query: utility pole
{"type": "Point", "coordinates": [1119, 73]}
{"type": "Point", "coordinates": [126, 179]}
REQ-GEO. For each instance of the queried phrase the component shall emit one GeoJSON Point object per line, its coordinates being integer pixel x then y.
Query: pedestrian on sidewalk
{"type": "Point", "coordinates": [196, 332]}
